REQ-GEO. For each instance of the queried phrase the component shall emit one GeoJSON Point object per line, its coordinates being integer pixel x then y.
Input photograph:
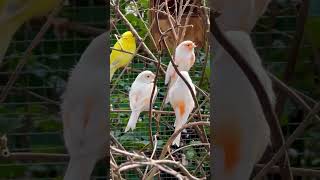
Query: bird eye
{"type": "Point", "coordinates": [148, 76]}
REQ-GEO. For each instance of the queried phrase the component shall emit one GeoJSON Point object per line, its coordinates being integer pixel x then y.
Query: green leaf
{"type": "Point", "coordinates": [190, 153]}
{"type": "Point", "coordinates": [129, 140]}
{"type": "Point", "coordinates": [137, 23]}
{"type": "Point", "coordinates": [144, 4]}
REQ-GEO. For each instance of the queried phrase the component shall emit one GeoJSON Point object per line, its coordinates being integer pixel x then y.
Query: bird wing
{"type": "Point", "coordinates": [114, 54]}
{"type": "Point", "coordinates": [134, 97]}
{"type": "Point", "coordinates": [140, 96]}
{"type": "Point", "coordinates": [155, 94]}
{"type": "Point", "coordinates": [192, 61]}
{"type": "Point", "coordinates": [118, 58]}
{"type": "Point", "coordinates": [169, 73]}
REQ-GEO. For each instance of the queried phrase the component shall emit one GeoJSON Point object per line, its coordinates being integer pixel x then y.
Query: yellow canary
{"type": "Point", "coordinates": [13, 13]}
{"type": "Point", "coordinates": [118, 59]}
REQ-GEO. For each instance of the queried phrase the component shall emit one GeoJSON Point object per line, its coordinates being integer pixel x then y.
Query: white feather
{"type": "Point", "coordinates": [239, 15]}
{"type": "Point", "coordinates": [139, 97]}
{"type": "Point", "coordinates": [132, 121]}
{"type": "Point", "coordinates": [184, 59]}
{"type": "Point", "coordinates": [236, 103]}
{"type": "Point", "coordinates": [179, 92]}
{"type": "Point", "coordinates": [84, 110]}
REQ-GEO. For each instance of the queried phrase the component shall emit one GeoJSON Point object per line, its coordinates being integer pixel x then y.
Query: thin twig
{"type": "Point", "coordinates": [291, 93]}
{"type": "Point", "coordinates": [156, 112]}
{"type": "Point", "coordinates": [122, 148]}
{"type": "Point", "coordinates": [152, 99]}
{"type": "Point", "coordinates": [294, 53]}
{"type": "Point", "coordinates": [141, 56]}
{"type": "Point", "coordinates": [302, 172]}
{"type": "Point", "coordinates": [153, 153]}
{"type": "Point", "coordinates": [297, 132]}
{"type": "Point", "coordinates": [169, 142]}
{"type": "Point", "coordinates": [184, 147]}
{"type": "Point", "coordinates": [148, 161]}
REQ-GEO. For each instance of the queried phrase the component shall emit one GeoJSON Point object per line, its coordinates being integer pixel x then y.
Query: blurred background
{"type": "Point", "coordinates": [30, 116]}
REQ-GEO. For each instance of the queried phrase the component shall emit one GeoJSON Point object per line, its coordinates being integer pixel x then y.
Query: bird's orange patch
{"type": "Point", "coordinates": [174, 74]}
{"type": "Point", "coordinates": [229, 139]}
{"type": "Point", "coordinates": [135, 96]}
{"type": "Point", "coordinates": [146, 101]}
{"type": "Point", "coordinates": [87, 111]}
{"type": "Point", "coordinates": [182, 107]}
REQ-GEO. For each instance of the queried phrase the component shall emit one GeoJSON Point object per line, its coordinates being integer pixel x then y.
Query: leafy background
{"type": "Point", "coordinates": [34, 124]}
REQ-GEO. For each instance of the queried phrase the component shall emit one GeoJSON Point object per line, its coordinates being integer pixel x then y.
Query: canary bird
{"type": "Point", "coordinates": [119, 59]}
{"type": "Point", "coordinates": [139, 96]}
{"type": "Point", "coordinates": [184, 58]}
{"type": "Point", "coordinates": [84, 110]}
{"type": "Point", "coordinates": [13, 13]}
{"type": "Point", "coordinates": [182, 102]}
{"type": "Point", "coordinates": [241, 130]}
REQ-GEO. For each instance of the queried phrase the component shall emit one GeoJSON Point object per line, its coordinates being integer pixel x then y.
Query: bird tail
{"type": "Point", "coordinates": [178, 125]}
{"type": "Point", "coordinates": [132, 121]}
{"type": "Point", "coordinates": [80, 168]}
{"type": "Point", "coordinates": [176, 141]}
{"type": "Point", "coordinates": [167, 98]}
{"type": "Point", "coordinates": [180, 121]}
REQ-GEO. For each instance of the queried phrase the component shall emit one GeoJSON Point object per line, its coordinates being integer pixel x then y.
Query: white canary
{"type": "Point", "coordinates": [184, 58]}
{"type": "Point", "coordinates": [238, 15]}
{"type": "Point", "coordinates": [84, 110]}
{"type": "Point", "coordinates": [241, 130]}
{"type": "Point", "coordinates": [182, 102]}
{"type": "Point", "coordinates": [139, 96]}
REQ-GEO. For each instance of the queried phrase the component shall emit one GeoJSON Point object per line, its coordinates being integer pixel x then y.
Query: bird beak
{"type": "Point", "coordinates": [194, 46]}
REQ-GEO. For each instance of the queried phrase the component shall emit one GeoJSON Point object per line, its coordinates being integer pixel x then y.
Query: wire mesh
{"type": "Point", "coordinates": [272, 37]}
